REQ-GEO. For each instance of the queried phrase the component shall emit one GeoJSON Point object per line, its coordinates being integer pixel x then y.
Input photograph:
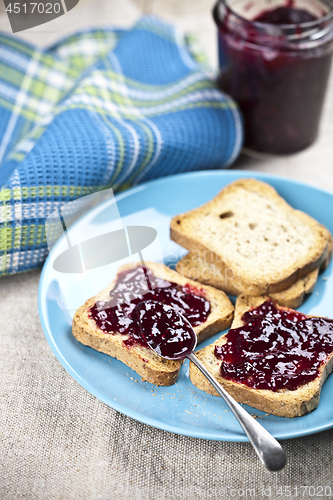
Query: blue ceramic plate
{"type": "Point", "coordinates": [181, 408]}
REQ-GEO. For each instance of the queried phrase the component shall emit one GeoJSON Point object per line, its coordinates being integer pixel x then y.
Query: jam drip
{"type": "Point", "coordinates": [165, 330]}
{"type": "Point", "coordinates": [276, 349]}
{"type": "Point", "coordinates": [134, 285]}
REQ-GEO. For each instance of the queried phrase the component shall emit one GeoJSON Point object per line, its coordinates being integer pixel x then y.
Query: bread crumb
{"type": "Point", "coordinates": [325, 278]}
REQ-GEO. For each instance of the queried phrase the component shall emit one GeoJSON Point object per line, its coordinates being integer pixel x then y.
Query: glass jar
{"type": "Point", "coordinates": [277, 73]}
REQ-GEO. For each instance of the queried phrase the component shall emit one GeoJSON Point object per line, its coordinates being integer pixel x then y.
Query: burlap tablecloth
{"type": "Point", "coordinates": [59, 442]}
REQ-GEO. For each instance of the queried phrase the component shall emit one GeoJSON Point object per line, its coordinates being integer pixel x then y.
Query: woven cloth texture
{"type": "Point", "coordinates": [57, 441]}
{"type": "Point", "coordinates": [102, 108]}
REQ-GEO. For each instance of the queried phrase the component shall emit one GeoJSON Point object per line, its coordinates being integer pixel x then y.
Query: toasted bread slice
{"type": "Point", "coordinates": [194, 266]}
{"type": "Point", "coordinates": [284, 402]}
{"type": "Point", "coordinates": [144, 361]}
{"type": "Point", "coordinates": [254, 238]}
{"type": "Point", "coordinates": [208, 273]}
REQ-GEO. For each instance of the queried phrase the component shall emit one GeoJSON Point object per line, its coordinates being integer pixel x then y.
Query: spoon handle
{"type": "Point", "coordinates": [266, 446]}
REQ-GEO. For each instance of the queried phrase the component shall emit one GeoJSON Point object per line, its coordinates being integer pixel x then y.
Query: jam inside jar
{"type": "Point", "coordinates": [275, 58]}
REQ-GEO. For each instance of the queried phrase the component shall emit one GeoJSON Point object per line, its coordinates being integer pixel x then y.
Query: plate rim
{"type": "Point", "coordinates": [221, 435]}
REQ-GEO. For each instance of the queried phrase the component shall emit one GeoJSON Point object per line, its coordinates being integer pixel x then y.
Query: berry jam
{"type": "Point", "coordinates": [165, 330]}
{"type": "Point", "coordinates": [276, 349]}
{"type": "Point", "coordinates": [285, 15]}
{"type": "Point", "coordinates": [134, 285]}
{"type": "Point", "coordinates": [275, 71]}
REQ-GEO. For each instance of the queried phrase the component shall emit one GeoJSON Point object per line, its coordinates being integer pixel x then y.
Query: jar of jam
{"type": "Point", "coordinates": [275, 60]}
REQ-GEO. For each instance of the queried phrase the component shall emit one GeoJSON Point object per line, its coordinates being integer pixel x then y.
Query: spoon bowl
{"type": "Point", "coordinates": [171, 336]}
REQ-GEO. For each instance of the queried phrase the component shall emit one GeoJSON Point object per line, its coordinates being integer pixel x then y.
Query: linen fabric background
{"type": "Point", "coordinates": [60, 442]}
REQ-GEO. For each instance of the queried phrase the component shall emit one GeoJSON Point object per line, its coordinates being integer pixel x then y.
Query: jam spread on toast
{"type": "Point", "coordinates": [132, 286]}
{"type": "Point", "coordinates": [276, 348]}
{"type": "Point", "coordinates": [165, 330]}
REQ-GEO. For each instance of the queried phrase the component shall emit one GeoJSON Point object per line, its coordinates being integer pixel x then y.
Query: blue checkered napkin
{"type": "Point", "coordinates": [102, 108]}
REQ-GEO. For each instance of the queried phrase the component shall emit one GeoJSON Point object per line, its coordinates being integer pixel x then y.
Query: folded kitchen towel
{"type": "Point", "coordinates": [102, 108]}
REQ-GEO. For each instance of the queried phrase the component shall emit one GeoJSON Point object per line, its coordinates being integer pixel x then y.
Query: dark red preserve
{"type": "Point", "coordinates": [285, 15]}
{"type": "Point", "coordinates": [275, 62]}
{"type": "Point", "coordinates": [138, 284]}
{"type": "Point", "coordinates": [276, 349]}
{"type": "Point", "coordinates": [164, 330]}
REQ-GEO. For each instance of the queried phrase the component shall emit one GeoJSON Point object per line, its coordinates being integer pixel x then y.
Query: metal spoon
{"type": "Point", "coordinates": [171, 336]}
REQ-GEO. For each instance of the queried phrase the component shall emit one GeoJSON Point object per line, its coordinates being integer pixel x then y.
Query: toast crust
{"type": "Point", "coordinates": [144, 361]}
{"type": "Point", "coordinates": [283, 403]}
{"type": "Point", "coordinates": [223, 230]}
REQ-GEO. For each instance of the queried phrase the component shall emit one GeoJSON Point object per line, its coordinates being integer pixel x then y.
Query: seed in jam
{"type": "Point", "coordinates": [118, 315]}
{"type": "Point", "coordinates": [276, 348]}
{"type": "Point", "coordinates": [164, 330]}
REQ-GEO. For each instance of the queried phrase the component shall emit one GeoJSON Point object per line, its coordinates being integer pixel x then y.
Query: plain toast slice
{"type": "Point", "coordinates": [144, 361]}
{"type": "Point", "coordinates": [284, 402]}
{"type": "Point", "coordinates": [254, 237]}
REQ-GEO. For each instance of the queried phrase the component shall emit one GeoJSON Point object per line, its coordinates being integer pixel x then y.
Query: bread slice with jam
{"type": "Point", "coordinates": [271, 377]}
{"type": "Point", "coordinates": [105, 322]}
{"type": "Point", "coordinates": [254, 237]}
